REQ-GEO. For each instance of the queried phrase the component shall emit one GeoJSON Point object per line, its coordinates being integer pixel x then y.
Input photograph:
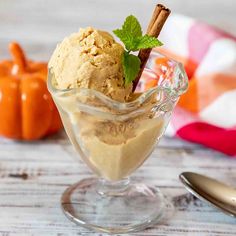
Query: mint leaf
{"type": "Point", "coordinates": [125, 38]}
{"type": "Point", "coordinates": [147, 41]}
{"type": "Point", "coordinates": [129, 33]}
{"type": "Point", "coordinates": [132, 26]}
{"type": "Point", "coordinates": [131, 67]}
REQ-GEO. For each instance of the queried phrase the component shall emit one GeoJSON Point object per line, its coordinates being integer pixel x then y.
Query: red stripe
{"type": "Point", "coordinates": [223, 140]}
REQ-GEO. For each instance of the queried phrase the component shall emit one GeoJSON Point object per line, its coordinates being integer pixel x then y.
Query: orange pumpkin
{"type": "Point", "coordinates": [27, 110]}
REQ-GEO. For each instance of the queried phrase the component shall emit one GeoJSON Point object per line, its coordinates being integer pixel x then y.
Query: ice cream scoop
{"type": "Point", "coordinates": [90, 59]}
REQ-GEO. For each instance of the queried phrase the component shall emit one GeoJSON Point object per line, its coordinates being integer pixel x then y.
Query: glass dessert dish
{"type": "Point", "coordinates": [114, 139]}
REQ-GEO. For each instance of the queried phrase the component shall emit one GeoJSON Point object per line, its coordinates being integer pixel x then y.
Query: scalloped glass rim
{"type": "Point", "coordinates": [171, 93]}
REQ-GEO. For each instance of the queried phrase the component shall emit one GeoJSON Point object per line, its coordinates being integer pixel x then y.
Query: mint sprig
{"type": "Point", "coordinates": [131, 35]}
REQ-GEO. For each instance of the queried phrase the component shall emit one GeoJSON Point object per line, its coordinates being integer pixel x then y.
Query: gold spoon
{"type": "Point", "coordinates": [216, 193]}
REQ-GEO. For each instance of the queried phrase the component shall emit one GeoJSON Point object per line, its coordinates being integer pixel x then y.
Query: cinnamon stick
{"type": "Point", "coordinates": [157, 21]}
{"type": "Point", "coordinates": [155, 14]}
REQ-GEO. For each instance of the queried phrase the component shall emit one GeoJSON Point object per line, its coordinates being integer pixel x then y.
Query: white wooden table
{"type": "Point", "coordinates": [34, 175]}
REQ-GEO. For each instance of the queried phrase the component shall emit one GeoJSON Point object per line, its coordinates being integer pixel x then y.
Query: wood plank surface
{"type": "Point", "coordinates": [34, 175]}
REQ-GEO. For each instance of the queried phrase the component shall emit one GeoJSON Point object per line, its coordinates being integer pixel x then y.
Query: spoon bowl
{"type": "Point", "coordinates": [214, 192]}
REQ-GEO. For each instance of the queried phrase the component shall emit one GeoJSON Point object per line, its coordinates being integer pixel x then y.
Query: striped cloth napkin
{"type": "Point", "coordinates": [206, 114]}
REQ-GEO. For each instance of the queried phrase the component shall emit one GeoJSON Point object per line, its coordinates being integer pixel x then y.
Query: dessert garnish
{"type": "Point", "coordinates": [158, 19]}
{"type": "Point", "coordinates": [131, 35]}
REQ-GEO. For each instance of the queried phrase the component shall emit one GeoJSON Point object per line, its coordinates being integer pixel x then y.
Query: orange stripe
{"type": "Point", "coordinates": [204, 90]}
{"type": "Point", "coordinates": [189, 100]}
{"type": "Point", "coordinates": [212, 86]}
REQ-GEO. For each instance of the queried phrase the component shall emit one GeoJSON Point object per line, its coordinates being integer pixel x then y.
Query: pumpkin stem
{"type": "Point", "coordinates": [19, 58]}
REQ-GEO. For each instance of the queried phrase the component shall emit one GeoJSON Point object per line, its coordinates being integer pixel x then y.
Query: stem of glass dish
{"type": "Point", "coordinates": [113, 188]}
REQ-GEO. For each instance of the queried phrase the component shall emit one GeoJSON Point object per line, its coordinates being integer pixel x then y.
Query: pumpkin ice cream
{"type": "Point", "coordinates": [90, 59]}
{"type": "Point", "coordinates": [112, 137]}
{"type": "Point", "coordinates": [112, 146]}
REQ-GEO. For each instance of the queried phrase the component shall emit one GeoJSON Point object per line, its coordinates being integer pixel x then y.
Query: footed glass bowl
{"type": "Point", "coordinates": [114, 139]}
